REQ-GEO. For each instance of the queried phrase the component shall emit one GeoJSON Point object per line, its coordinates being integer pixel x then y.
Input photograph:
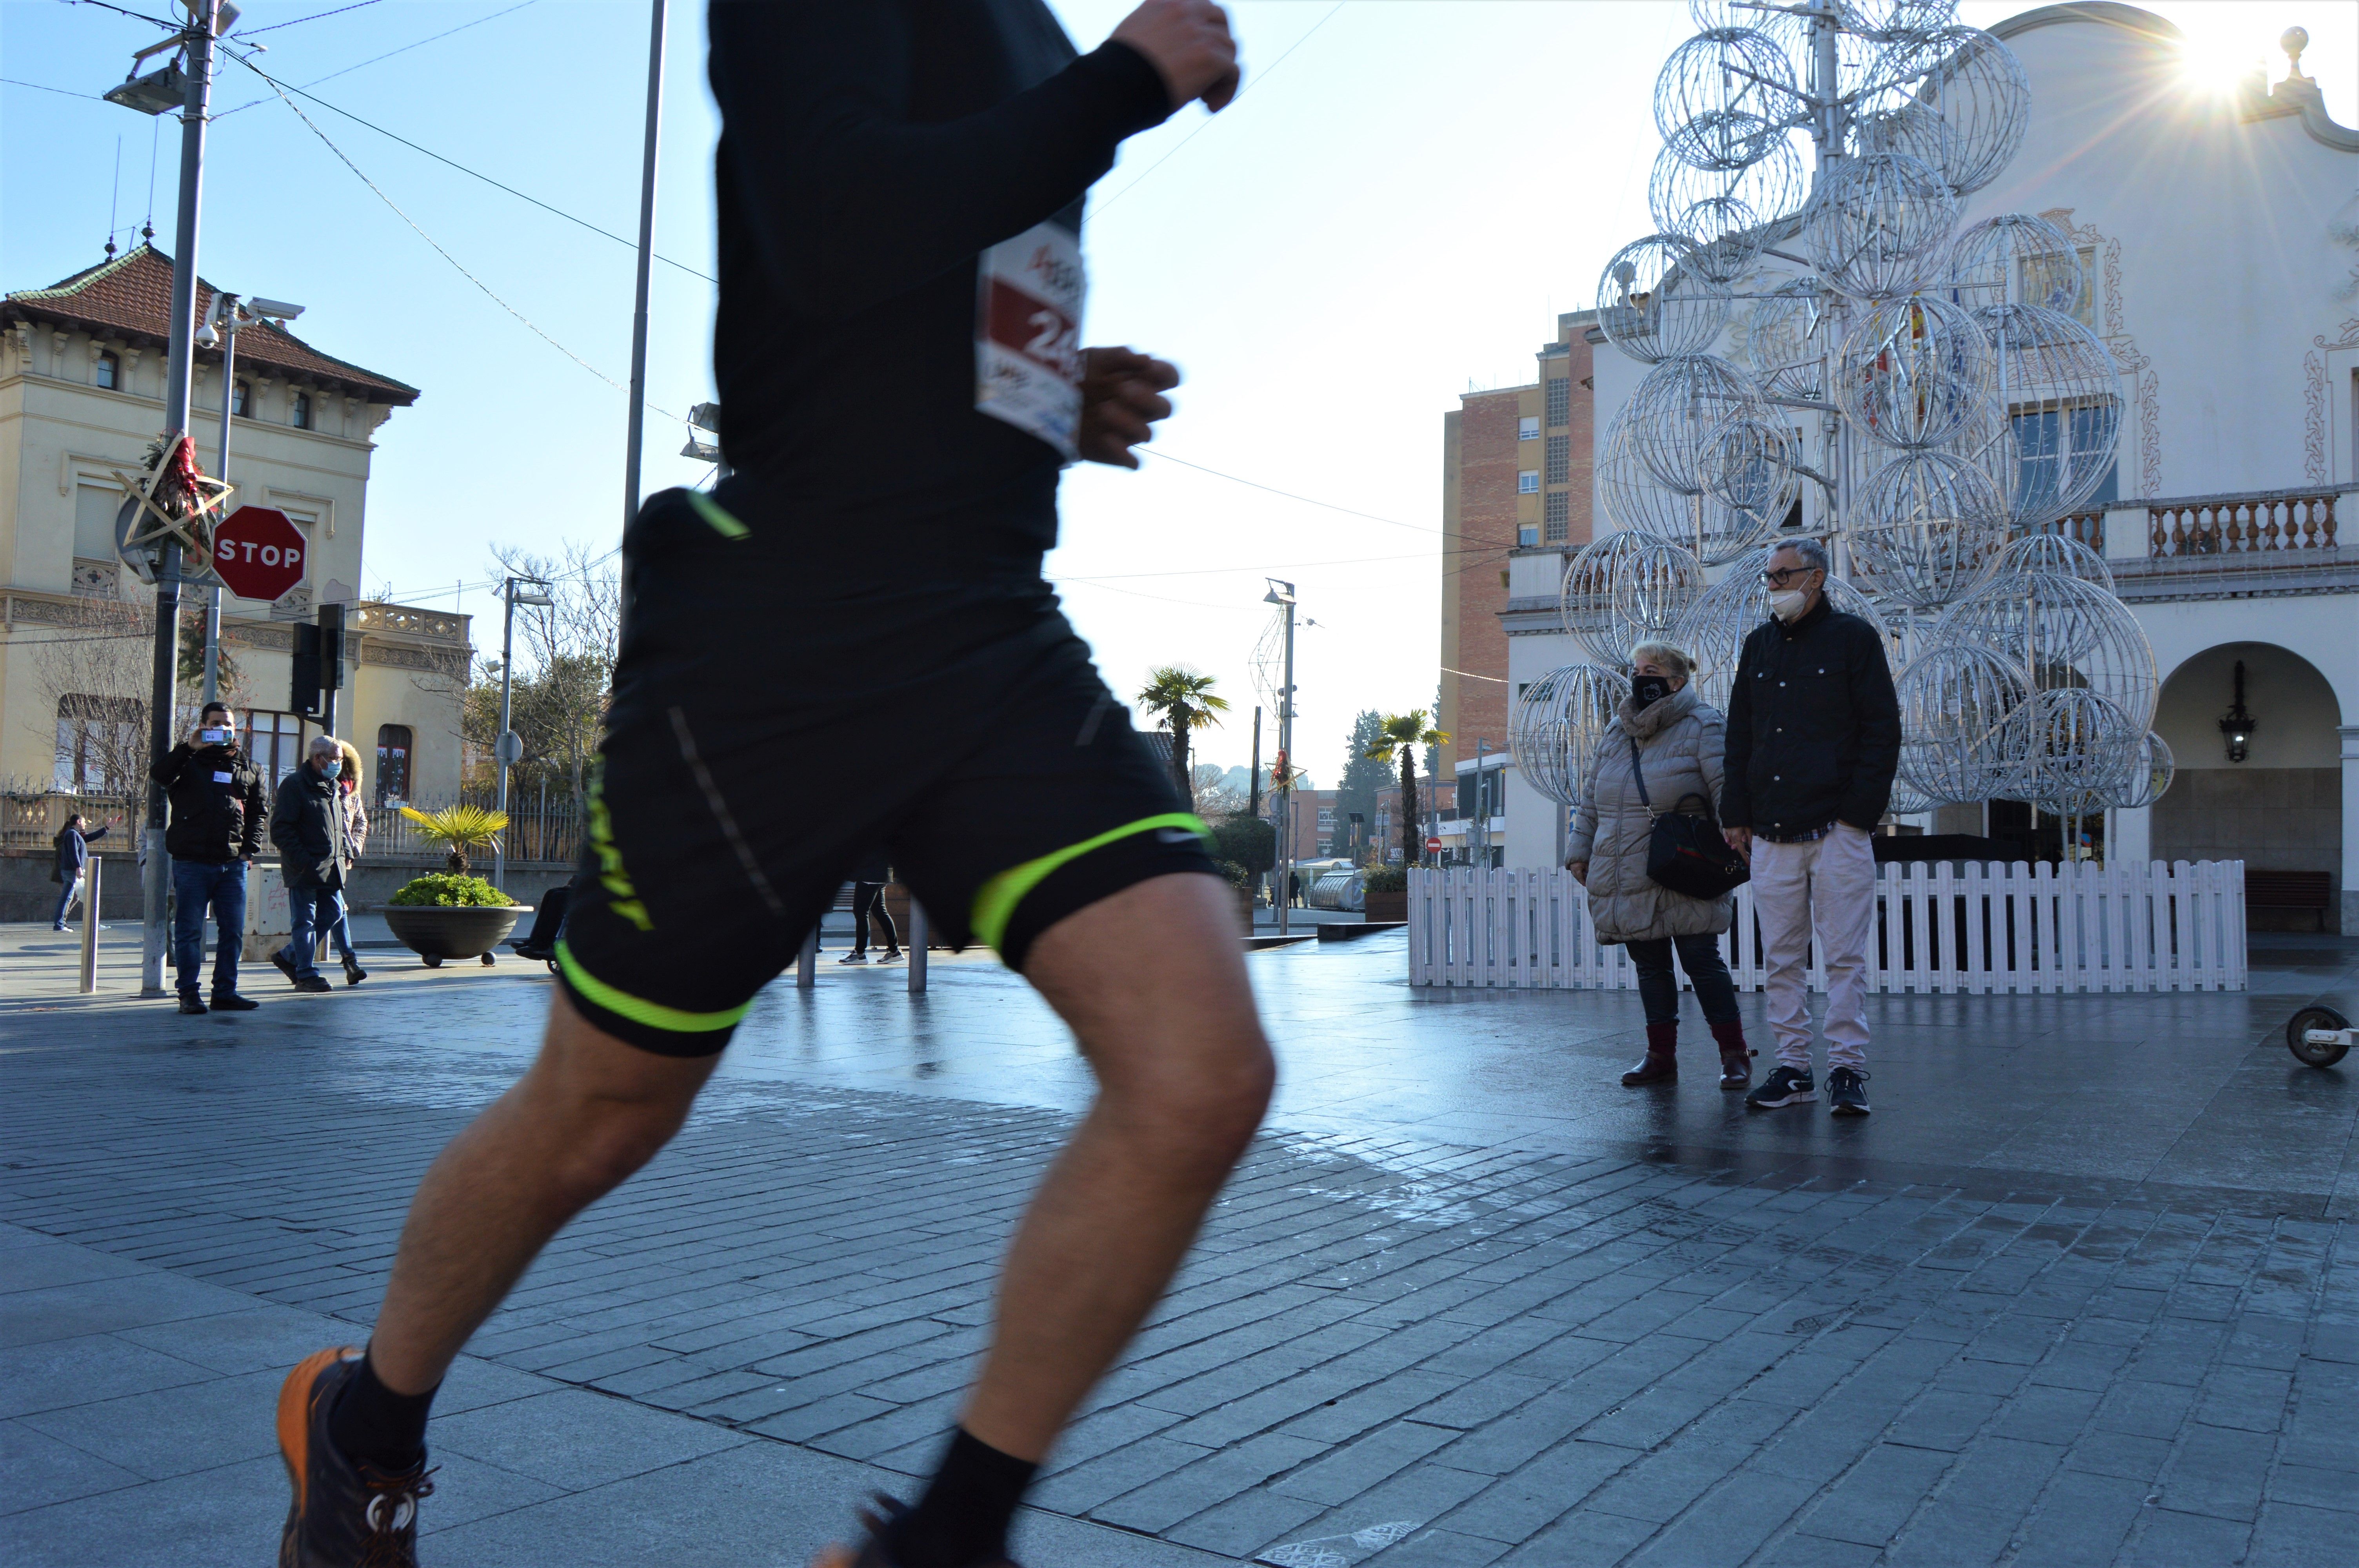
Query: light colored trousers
{"type": "Point", "coordinates": [1827, 885]}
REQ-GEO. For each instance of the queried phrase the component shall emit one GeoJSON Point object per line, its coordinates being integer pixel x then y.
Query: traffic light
{"type": "Point", "coordinates": [318, 667]}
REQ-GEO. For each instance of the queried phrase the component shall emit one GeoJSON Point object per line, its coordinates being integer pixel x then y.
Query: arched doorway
{"type": "Point", "coordinates": [2280, 808]}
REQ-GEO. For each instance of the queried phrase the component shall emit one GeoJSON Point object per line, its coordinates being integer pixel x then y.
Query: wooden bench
{"type": "Point", "coordinates": [2312, 890]}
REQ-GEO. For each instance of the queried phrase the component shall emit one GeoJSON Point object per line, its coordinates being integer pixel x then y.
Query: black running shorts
{"type": "Point", "coordinates": [778, 716]}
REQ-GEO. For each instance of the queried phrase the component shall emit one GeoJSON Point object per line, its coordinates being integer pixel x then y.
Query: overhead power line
{"type": "Point", "coordinates": [475, 174]}
{"type": "Point", "coordinates": [314, 16]}
{"type": "Point", "coordinates": [373, 60]}
{"type": "Point", "coordinates": [457, 266]}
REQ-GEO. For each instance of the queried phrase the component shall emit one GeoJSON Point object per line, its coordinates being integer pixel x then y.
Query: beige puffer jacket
{"type": "Point", "coordinates": [1681, 740]}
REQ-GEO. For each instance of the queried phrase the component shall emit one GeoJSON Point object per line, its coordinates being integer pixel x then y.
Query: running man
{"type": "Point", "coordinates": [900, 190]}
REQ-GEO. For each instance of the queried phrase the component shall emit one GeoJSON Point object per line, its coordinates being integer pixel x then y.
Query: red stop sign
{"type": "Point", "coordinates": [258, 552]}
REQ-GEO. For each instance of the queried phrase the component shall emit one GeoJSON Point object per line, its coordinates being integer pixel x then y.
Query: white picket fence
{"type": "Point", "coordinates": [1978, 930]}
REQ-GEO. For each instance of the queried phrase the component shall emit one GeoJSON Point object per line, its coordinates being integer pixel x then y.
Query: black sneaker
{"type": "Point", "coordinates": [287, 966]}
{"type": "Point", "coordinates": [1784, 1085]}
{"type": "Point", "coordinates": [314, 983]}
{"type": "Point", "coordinates": [345, 1515]}
{"type": "Point", "coordinates": [354, 973]}
{"type": "Point", "coordinates": [191, 1005]}
{"type": "Point", "coordinates": [854, 958]}
{"type": "Point", "coordinates": [230, 1001]}
{"type": "Point", "coordinates": [877, 1522]}
{"type": "Point", "coordinates": [893, 957]}
{"type": "Point", "coordinates": [1844, 1096]}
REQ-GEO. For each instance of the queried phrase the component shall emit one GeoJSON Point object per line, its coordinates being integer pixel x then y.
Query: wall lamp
{"type": "Point", "coordinates": [2239, 725]}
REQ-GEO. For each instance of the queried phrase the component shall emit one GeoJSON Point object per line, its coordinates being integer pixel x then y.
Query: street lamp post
{"type": "Point", "coordinates": [153, 94]}
{"type": "Point", "coordinates": [1282, 595]}
{"type": "Point", "coordinates": [509, 750]}
{"type": "Point", "coordinates": [227, 317]}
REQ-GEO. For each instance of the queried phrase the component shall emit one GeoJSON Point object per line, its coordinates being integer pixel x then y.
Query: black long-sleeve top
{"type": "Point", "coordinates": [1814, 727]}
{"type": "Point", "coordinates": [869, 153]}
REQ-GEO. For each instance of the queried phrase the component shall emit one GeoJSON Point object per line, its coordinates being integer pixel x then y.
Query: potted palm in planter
{"type": "Point", "coordinates": [453, 914]}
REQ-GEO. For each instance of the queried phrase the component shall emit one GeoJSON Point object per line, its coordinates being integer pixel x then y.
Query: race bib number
{"type": "Point", "coordinates": [1027, 335]}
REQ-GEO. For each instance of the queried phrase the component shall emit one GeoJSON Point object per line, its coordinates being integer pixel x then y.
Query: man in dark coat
{"type": "Point", "coordinates": [73, 857]}
{"type": "Point", "coordinates": [307, 827]}
{"type": "Point", "coordinates": [1813, 742]}
{"type": "Point", "coordinates": [218, 809]}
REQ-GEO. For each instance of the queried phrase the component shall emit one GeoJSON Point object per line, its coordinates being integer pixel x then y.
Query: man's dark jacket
{"type": "Point", "coordinates": [303, 825]}
{"type": "Point", "coordinates": [219, 803]}
{"type": "Point", "coordinates": [1814, 727]}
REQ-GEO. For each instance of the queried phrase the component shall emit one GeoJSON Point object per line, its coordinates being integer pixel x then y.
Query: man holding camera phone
{"type": "Point", "coordinates": [219, 808]}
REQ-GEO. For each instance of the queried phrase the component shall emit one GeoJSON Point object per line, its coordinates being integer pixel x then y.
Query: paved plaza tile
{"type": "Point", "coordinates": [2081, 1290]}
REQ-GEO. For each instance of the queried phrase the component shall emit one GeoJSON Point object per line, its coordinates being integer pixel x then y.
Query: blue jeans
{"type": "Point", "coordinates": [195, 884]}
{"type": "Point", "coordinates": [66, 895]}
{"type": "Point", "coordinates": [311, 909]}
{"type": "Point", "coordinates": [340, 930]}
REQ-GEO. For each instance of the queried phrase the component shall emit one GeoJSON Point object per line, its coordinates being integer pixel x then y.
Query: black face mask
{"type": "Point", "coordinates": [1650, 689]}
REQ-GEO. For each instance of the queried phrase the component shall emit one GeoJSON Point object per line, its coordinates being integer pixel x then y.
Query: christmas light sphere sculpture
{"type": "Point", "coordinates": [2151, 769]}
{"type": "Point", "coordinates": [2016, 259]}
{"type": "Point", "coordinates": [1671, 413]}
{"type": "Point", "coordinates": [1959, 740]}
{"type": "Point", "coordinates": [1878, 224]}
{"type": "Point", "coordinates": [2067, 633]}
{"type": "Point", "coordinates": [1977, 88]}
{"type": "Point", "coordinates": [1625, 590]}
{"type": "Point", "coordinates": [1724, 72]}
{"type": "Point", "coordinates": [1827, 349]}
{"type": "Point", "coordinates": [2051, 365]}
{"type": "Point", "coordinates": [1937, 522]}
{"type": "Point", "coordinates": [1655, 300]}
{"type": "Point", "coordinates": [1557, 724]}
{"type": "Point", "coordinates": [1915, 371]}
{"type": "Point", "coordinates": [2059, 553]}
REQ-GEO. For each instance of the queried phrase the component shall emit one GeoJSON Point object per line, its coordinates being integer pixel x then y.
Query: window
{"type": "Point", "coordinates": [1528, 536]}
{"type": "Point", "coordinates": [1527, 428]}
{"type": "Point", "coordinates": [273, 740]}
{"type": "Point", "coordinates": [1528, 481]}
{"type": "Point", "coordinates": [2059, 446]}
{"type": "Point", "coordinates": [1560, 401]}
{"type": "Point", "coordinates": [2036, 276]}
{"type": "Point", "coordinates": [1326, 816]}
{"type": "Point", "coordinates": [1560, 459]}
{"type": "Point", "coordinates": [299, 410]}
{"type": "Point", "coordinates": [1558, 509]}
{"type": "Point", "coordinates": [393, 743]}
{"type": "Point", "coordinates": [106, 370]}
{"type": "Point", "coordinates": [101, 742]}
{"type": "Point", "coordinates": [94, 509]}
{"type": "Point", "coordinates": [243, 406]}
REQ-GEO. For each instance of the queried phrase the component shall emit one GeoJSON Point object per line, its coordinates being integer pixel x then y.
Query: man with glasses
{"type": "Point", "coordinates": [1813, 742]}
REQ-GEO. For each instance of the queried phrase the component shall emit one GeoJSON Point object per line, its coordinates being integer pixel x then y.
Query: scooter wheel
{"type": "Point", "coordinates": [2297, 1033]}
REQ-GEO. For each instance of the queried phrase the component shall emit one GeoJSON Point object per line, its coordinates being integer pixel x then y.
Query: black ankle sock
{"type": "Point", "coordinates": [372, 1425]}
{"type": "Point", "coordinates": [963, 1519]}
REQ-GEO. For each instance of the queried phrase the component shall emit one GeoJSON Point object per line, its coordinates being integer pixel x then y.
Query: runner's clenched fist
{"type": "Point", "coordinates": [1189, 44]}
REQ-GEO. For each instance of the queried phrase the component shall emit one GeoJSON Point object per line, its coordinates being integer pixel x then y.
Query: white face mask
{"type": "Point", "coordinates": [1788, 604]}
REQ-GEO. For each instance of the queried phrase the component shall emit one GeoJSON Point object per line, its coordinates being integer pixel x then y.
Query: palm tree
{"type": "Point", "coordinates": [1400, 736]}
{"type": "Point", "coordinates": [1184, 699]}
{"type": "Point", "coordinates": [462, 828]}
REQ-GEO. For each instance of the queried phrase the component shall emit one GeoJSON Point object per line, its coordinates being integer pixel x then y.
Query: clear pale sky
{"type": "Point", "coordinates": [1395, 208]}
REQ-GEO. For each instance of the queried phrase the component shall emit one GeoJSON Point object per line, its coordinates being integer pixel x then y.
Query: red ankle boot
{"type": "Point", "coordinates": [1662, 1064]}
{"type": "Point", "coordinates": [1736, 1057]}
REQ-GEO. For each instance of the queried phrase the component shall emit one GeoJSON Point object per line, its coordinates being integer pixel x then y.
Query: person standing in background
{"type": "Point", "coordinates": [72, 844]}
{"type": "Point", "coordinates": [306, 826]}
{"type": "Point", "coordinates": [218, 807]}
{"type": "Point", "coordinates": [868, 880]}
{"type": "Point", "coordinates": [355, 828]}
{"type": "Point", "coordinates": [1813, 743]}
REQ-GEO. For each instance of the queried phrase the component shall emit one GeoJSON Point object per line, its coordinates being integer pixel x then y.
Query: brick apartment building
{"type": "Point", "coordinates": [1516, 474]}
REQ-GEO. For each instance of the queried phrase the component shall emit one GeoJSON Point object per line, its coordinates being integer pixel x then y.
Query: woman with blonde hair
{"type": "Point", "coordinates": [1666, 741]}
{"type": "Point", "coordinates": [355, 819]}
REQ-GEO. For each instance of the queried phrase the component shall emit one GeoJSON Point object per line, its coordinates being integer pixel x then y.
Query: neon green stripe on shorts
{"type": "Point", "coordinates": [654, 1014]}
{"type": "Point", "coordinates": [995, 904]}
{"type": "Point", "coordinates": [712, 512]}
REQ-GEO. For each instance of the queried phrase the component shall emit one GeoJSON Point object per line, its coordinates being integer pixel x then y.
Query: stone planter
{"type": "Point", "coordinates": [436, 932]}
{"type": "Point", "coordinates": [1386, 906]}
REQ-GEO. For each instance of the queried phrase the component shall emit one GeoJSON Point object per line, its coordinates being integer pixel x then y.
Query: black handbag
{"type": "Point", "coordinates": [1685, 852]}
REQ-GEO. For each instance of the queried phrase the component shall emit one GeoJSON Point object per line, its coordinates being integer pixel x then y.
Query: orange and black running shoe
{"type": "Point", "coordinates": [345, 1515]}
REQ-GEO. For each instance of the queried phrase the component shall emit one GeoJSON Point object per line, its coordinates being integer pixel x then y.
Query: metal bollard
{"type": "Point", "coordinates": [916, 947]}
{"type": "Point", "coordinates": [90, 888]}
{"type": "Point", "coordinates": [806, 962]}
